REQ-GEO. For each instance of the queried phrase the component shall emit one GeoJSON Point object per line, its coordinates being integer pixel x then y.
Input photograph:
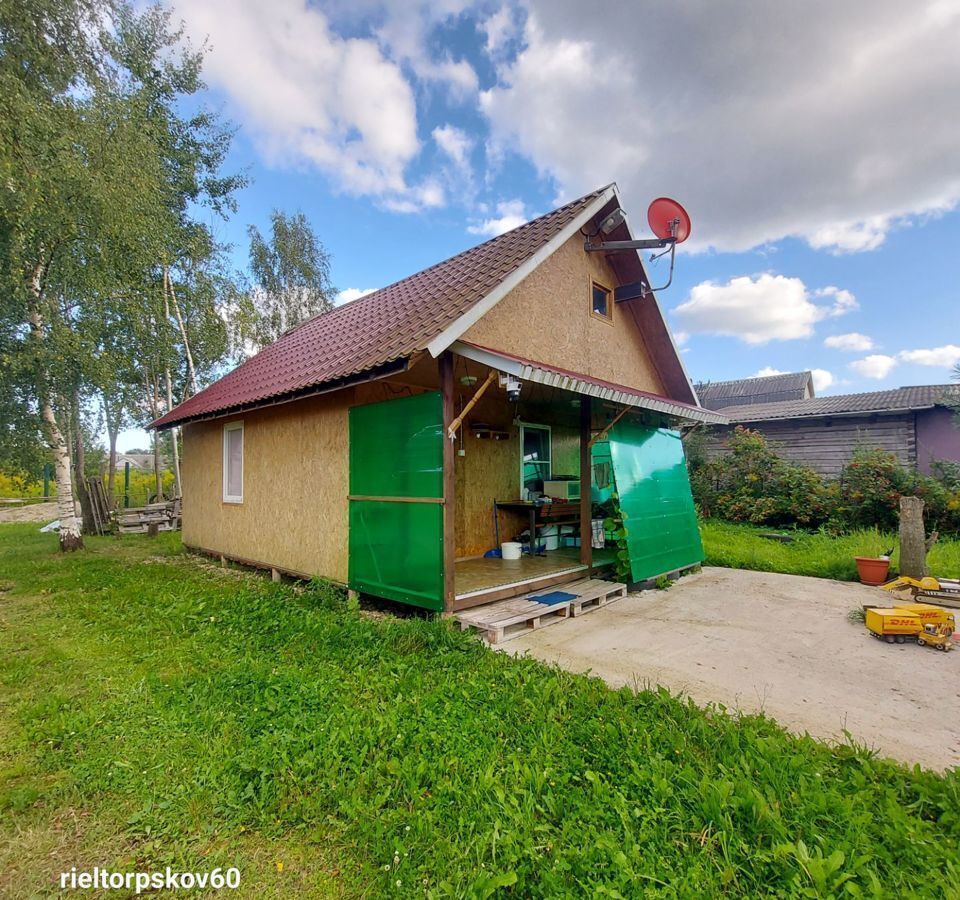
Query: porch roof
{"type": "Point", "coordinates": [541, 373]}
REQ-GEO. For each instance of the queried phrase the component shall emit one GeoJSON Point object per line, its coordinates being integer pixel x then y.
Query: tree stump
{"type": "Point", "coordinates": [913, 543]}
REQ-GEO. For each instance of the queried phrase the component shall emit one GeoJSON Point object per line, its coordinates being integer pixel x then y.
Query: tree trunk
{"type": "Point", "coordinates": [113, 429]}
{"type": "Point", "coordinates": [70, 538]}
{"type": "Point", "coordinates": [191, 371]}
{"type": "Point", "coordinates": [79, 468]}
{"type": "Point", "coordinates": [913, 549]}
{"type": "Point", "coordinates": [175, 450]}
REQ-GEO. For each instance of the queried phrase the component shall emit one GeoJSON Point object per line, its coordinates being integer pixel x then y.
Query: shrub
{"type": "Point", "coordinates": [753, 484]}
{"type": "Point", "coordinates": [871, 486]}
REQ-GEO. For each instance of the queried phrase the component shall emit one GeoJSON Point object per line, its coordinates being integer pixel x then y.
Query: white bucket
{"type": "Point", "coordinates": [511, 550]}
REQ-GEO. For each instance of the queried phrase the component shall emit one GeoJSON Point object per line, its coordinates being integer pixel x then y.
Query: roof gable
{"type": "Point", "coordinates": [761, 389]}
{"type": "Point", "coordinates": [427, 311]}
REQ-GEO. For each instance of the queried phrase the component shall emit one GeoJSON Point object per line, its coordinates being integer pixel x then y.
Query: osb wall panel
{"type": "Point", "coordinates": [547, 318]}
{"type": "Point", "coordinates": [490, 470]}
{"type": "Point", "coordinates": [295, 512]}
{"type": "Point", "coordinates": [295, 482]}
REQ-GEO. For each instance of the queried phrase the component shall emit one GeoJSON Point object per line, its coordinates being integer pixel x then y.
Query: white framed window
{"type": "Point", "coordinates": [535, 457]}
{"type": "Point", "coordinates": [233, 463]}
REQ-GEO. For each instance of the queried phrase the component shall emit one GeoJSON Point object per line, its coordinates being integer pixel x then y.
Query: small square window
{"type": "Point", "coordinates": [601, 301]}
{"type": "Point", "coordinates": [233, 463]}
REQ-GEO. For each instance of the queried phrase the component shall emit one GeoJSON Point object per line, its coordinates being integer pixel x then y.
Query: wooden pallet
{"type": "Point", "coordinates": [498, 622]}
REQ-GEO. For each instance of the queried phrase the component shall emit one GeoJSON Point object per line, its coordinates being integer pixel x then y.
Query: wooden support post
{"type": "Point", "coordinates": [275, 576]}
{"type": "Point", "coordinates": [449, 482]}
{"type": "Point", "coordinates": [586, 479]}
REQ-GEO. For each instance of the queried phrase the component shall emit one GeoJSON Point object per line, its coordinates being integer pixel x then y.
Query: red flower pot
{"type": "Point", "coordinates": [872, 570]}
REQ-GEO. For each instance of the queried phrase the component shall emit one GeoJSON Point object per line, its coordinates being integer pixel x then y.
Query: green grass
{"type": "Point", "coordinates": [821, 555]}
{"type": "Point", "coordinates": [155, 710]}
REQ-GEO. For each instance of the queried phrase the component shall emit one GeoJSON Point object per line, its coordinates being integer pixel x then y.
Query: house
{"type": "Point", "coordinates": [390, 443]}
{"type": "Point", "coordinates": [916, 424]}
{"type": "Point", "coordinates": [762, 389]}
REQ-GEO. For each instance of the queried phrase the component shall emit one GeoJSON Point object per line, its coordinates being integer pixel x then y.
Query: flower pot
{"type": "Point", "coordinates": [872, 570]}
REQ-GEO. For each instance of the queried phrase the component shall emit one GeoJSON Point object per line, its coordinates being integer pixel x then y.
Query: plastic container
{"type": "Point", "coordinates": [511, 550]}
{"type": "Point", "coordinates": [550, 538]}
{"type": "Point", "coordinates": [871, 570]}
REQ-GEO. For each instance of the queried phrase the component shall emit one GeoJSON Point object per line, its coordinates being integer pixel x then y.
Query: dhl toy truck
{"type": "Point", "coordinates": [893, 625]}
{"type": "Point", "coordinates": [929, 614]}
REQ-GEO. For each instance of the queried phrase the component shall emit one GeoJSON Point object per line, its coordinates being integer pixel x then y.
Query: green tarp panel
{"type": "Point", "coordinates": [396, 484]}
{"type": "Point", "coordinates": [655, 498]}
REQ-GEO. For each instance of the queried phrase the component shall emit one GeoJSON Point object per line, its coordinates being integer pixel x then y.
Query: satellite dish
{"type": "Point", "coordinates": [668, 219]}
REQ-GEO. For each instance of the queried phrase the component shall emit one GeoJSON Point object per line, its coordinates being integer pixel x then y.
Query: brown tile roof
{"type": "Point", "coordinates": [389, 325]}
{"type": "Point", "coordinates": [762, 389]}
{"type": "Point", "coordinates": [902, 399]}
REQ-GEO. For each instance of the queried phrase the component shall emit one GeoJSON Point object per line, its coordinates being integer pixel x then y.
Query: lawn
{"type": "Point", "coordinates": [820, 555]}
{"type": "Point", "coordinates": [156, 710]}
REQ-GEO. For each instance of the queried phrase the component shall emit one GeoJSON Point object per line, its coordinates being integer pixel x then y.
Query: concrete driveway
{"type": "Point", "coordinates": [780, 644]}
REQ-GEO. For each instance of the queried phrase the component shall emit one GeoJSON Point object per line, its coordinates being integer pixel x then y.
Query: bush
{"type": "Point", "coordinates": [871, 486]}
{"type": "Point", "coordinates": [753, 484]}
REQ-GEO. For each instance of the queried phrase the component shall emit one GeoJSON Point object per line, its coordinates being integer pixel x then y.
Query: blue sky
{"type": "Point", "coordinates": [816, 148]}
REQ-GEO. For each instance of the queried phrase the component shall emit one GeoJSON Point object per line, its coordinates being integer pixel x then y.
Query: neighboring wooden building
{"type": "Point", "coordinates": [762, 389]}
{"type": "Point", "coordinates": [327, 454]}
{"type": "Point", "coordinates": [915, 424]}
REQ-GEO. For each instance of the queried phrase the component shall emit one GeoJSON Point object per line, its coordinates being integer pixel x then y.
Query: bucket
{"type": "Point", "coordinates": [550, 538]}
{"type": "Point", "coordinates": [511, 550]}
{"type": "Point", "coordinates": [871, 570]}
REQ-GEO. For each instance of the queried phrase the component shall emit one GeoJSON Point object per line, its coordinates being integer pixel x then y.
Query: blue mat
{"type": "Point", "coordinates": [553, 597]}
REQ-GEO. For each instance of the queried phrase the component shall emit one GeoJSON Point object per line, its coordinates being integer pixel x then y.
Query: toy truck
{"type": "Point", "coordinates": [893, 625]}
{"type": "Point", "coordinates": [930, 614]}
{"type": "Point", "coordinates": [939, 636]}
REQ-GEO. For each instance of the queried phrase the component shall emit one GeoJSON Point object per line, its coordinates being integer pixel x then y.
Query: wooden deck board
{"type": "Point", "coordinates": [507, 618]}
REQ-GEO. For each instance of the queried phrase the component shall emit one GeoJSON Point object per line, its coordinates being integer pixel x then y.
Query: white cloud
{"type": "Point", "coordinates": [843, 301]}
{"type": "Point", "coordinates": [498, 29]}
{"type": "Point", "coordinates": [833, 122]}
{"type": "Point", "coordinates": [853, 341]}
{"type": "Point", "coordinates": [822, 379]}
{"type": "Point", "coordinates": [767, 372]}
{"type": "Point", "coordinates": [405, 31]}
{"type": "Point", "coordinates": [512, 215]}
{"type": "Point", "coordinates": [455, 144]}
{"type": "Point", "coordinates": [940, 357]}
{"type": "Point", "coordinates": [310, 97]}
{"type": "Point", "coordinates": [349, 294]}
{"type": "Point", "coordinates": [681, 338]}
{"type": "Point", "coordinates": [759, 309]}
{"type": "Point", "coordinates": [877, 366]}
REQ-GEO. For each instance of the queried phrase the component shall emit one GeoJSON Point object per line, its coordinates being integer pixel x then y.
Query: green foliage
{"type": "Point", "coordinates": [753, 484]}
{"type": "Point", "coordinates": [198, 713]}
{"type": "Point", "coordinates": [291, 280]}
{"type": "Point", "coordinates": [820, 554]}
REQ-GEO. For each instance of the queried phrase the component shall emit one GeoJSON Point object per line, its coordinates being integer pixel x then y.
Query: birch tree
{"type": "Point", "coordinates": [99, 173]}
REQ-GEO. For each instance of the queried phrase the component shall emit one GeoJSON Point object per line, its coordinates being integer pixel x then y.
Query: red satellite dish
{"type": "Point", "coordinates": [668, 219]}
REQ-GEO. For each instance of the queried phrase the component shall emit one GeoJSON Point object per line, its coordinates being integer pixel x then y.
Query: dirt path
{"type": "Point", "coordinates": [29, 512]}
{"type": "Point", "coordinates": [780, 644]}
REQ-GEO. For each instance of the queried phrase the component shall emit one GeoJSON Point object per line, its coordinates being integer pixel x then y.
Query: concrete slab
{"type": "Point", "coordinates": [778, 644]}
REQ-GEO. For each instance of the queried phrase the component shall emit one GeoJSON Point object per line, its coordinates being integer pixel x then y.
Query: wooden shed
{"type": "Point", "coordinates": [916, 424]}
{"type": "Point", "coordinates": [393, 442]}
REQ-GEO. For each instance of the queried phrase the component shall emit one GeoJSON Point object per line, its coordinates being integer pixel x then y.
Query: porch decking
{"type": "Point", "coordinates": [486, 580]}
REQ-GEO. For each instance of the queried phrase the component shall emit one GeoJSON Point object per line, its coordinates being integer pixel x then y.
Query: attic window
{"type": "Point", "coordinates": [600, 300]}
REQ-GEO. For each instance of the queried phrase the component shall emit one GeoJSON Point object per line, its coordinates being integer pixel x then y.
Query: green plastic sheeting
{"type": "Point", "coordinates": [655, 499]}
{"type": "Point", "coordinates": [396, 546]}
